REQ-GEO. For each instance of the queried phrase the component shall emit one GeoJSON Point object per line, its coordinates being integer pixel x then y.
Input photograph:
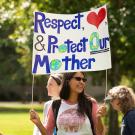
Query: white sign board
{"type": "Point", "coordinates": [70, 43]}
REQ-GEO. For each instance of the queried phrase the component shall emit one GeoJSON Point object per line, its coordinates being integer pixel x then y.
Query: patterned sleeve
{"type": "Point", "coordinates": [50, 123]}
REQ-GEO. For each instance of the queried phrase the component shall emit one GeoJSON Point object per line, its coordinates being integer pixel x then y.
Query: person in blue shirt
{"type": "Point", "coordinates": [122, 98]}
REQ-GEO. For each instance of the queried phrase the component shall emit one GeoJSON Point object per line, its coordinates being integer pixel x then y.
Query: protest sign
{"type": "Point", "coordinates": [71, 42]}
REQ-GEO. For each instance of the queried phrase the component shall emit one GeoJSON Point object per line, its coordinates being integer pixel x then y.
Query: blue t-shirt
{"type": "Point", "coordinates": [128, 123]}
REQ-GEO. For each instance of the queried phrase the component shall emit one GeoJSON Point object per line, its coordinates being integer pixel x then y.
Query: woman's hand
{"type": "Point", "coordinates": [102, 110]}
{"type": "Point", "coordinates": [34, 117]}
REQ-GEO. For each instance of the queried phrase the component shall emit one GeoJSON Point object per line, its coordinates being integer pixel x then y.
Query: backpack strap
{"type": "Point", "coordinates": [55, 107]}
{"type": "Point", "coordinates": [89, 115]}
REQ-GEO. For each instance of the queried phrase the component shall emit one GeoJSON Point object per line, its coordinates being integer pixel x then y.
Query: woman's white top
{"type": "Point", "coordinates": [68, 121]}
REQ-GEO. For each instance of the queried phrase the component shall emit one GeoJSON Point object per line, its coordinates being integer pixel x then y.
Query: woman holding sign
{"type": "Point", "coordinates": [76, 113]}
{"type": "Point", "coordinates": [53, 86]}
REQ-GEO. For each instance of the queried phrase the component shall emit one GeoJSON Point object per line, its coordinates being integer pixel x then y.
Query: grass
{"type": "Point", "coordinates": [14, 118]}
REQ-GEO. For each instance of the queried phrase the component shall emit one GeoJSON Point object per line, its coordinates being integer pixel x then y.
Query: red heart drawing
{"type": "Point", "coordinates": [95, 19]}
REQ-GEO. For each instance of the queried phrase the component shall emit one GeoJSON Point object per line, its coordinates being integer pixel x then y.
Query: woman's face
{"type": "Point", "coordinates": [115, 104]}
{"type": "Point", "coordinates": [52, 87]}
{"type": "Point", "coordinates": [77, 83]}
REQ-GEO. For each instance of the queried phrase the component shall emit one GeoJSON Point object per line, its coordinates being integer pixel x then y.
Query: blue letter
{"type": "Point", "coordinates": [66, 60]}
{"type": "Point", "coordinates": [84, 63]}
{"type": "Point", "coordinates": [103, 42]}
{"type": "Point", "coordinates": [75, 61]}
{"type": "Point", "coordinates": [51, 44]}
{"type": "Point", "coordinates": [39, 21]}
{"type": "Point", "coordinates": [90, 60]}
{"type": "Point", "coordinates": [78, 16]}
{"type": "Point", "coordinates": [41, 63]}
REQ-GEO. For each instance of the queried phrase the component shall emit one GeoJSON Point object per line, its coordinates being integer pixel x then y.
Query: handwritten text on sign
{"type": "Point", "coordinates": [67, 43]}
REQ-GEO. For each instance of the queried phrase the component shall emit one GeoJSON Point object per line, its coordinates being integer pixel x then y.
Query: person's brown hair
{"type": "Point", "coordinates": [58, 78]}
{"type": "Point", "coordinates": [126, 97]}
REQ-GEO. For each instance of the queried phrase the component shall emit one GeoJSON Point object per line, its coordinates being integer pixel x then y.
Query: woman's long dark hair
{"type": "Point", "coordinates": [84, 102]}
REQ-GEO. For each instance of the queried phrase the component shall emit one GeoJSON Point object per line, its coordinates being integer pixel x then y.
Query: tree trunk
{"type": "Point", "coordinates": [113, 122]}
{"type": "Point", "coordinates": [113, 128]}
